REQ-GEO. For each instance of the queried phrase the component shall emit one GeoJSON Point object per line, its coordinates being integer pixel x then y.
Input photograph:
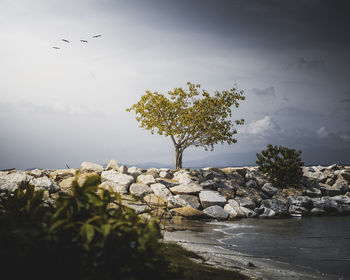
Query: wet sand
{"type": "Point", "coordinates": [203, 238]}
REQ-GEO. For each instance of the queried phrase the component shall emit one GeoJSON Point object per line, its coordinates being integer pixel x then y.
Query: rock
{"type": "Point", "coordinates": [161, 190]}
{"type": "Point", "coordinates": [210, 185]}
{"type": "Point", "coordinates": [278, 206]}
{"type": "Point", "coordinates": [153, 171]}
{"type": "Point", "coordinates": [339, 187]}
{"type": "Point", "coordinates": [216, 212]}
{"type": "Point", "coordinates": [268, 213]}
{"type": "Point", "coordinates": [317, 175]}
{"type": "Point", "coordinates": [235, 176]}
{"type": "Point", "coordinates": [112, 165]}
{"type": "Point", "coordinates": [123, 169]}
{"type": "Point", "coordinates": [302, 201]}
{"type": "Point", "coordinates": [44, 183]}
{"type": "Point", "coordinates": [146, 179]}
{"type": "Point", "coordinates": [293, 209]}
{"type": "Point", "coordinates": [288, 192]}
{"type": "Point", "coordinates": [269, 189]}
{"type": "Point", "coordinates": [343, 175]}
{"type": "Point", "coordinates": [188, 212]}
{"type": "Point", "coordinates": [123, 180]}
{"type": "Point", "coordinates": [115, 187]}
{"type": "Point", "coordinates": [227, 193]}
{"type": "Point", "coordinates": [209, 198]}
{"type": "Point", "coordinates": [256, 175]}
{"type": "Point", "coordinates": [247, 212]}
{"type": "Point", "coordinates": [66, 184]}
{"type": "Point", "coordinates": [317, 211]}
{"type": "Point", "coordinates": [342, 199]}
{"type": "Point", "coordinates": [326, 203]}
{"type": "Point", "coordinates": [259, 210]}
{"type": "Point", "coordinates": [37, 173]}
{"type": "Point", "coordinates": [138, 206]}
{"type": "Point", "coordinates": [246, 202]}
{"type": "Point", "coordinates": [234, 210]}
{"type": "Point", "coordinates": [252, 184]}
{"type": "Point", "coordinates": [156, 201]}
{"type": "Point", "coordinates": [139, 190]}
{"type": "Point", "coordinates": [191, 188]}
{"type": "Point", "coordinates": [165, 174]}
{"type": "Point", "coordinates": [59, 175]}
{"type": "Point", "coordinates": [134, 171]}
{"type": "Point", "coordinates": [231, 211]}
{"type": "Point", "coordinates": [183, 177]}
{"type": "Point", "coordinates": [313, 192]}
{"type": "Point", "coordinates": [184, 200]}
{"type": "Point", "coordinates": [11, 181]}
{"type": "Point", "coordinates": [91, 167]}
{"type": "Point", "coordinates": [167, 182]}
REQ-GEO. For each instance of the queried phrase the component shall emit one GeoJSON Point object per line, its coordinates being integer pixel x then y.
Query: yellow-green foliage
{"type": "Point", "coordinates": [80, 236]}
{"type": "Point", "coordinates": [190, 117]}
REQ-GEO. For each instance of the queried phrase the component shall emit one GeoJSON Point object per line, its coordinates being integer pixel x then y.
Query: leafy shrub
{"type": "Point", "coordinates": [87, 234]}
{"type": "Point", "coordinates": [282, 165]}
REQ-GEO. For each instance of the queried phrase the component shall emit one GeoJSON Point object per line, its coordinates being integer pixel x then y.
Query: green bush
{"type": "Point", "coordinates": [87, 234]}
{"type": "Point", "coordinates": [282, 165]}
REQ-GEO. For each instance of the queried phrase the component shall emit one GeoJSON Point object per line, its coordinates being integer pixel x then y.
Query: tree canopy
{"type": "Point", "coordinates": [191, 117]}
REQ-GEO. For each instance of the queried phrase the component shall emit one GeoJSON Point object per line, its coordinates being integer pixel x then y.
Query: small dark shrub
{"type": "Point", "coordinates": [87, 234]}
{"type": "Point", "coordinates": [282, 165]}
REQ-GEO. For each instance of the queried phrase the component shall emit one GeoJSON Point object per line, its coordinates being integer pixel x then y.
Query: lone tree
{"type": "Point", "coordinates": [190, 117]}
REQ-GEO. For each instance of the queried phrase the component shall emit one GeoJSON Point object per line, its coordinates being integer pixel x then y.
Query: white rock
{"type": "Point", "coordinates": [115, 187]}
{"type": "Point", "coordinates": [146, 179]}
{"type": "Point", "coordinates": [209, 198]}
{"type": "Point", "coordinates": [183, 177]}
{"type": "Point", "coordinates": [118, 178]}
{"type": "Point", "coordinates": [191, 188]}
{"type": "Point", "coordinates": [112, 165]}
{"type": "Point", "coordinates": [91, 167]}
{"type": "Point", "coordinates": [216, 212]}
{"type": "Point", "coordinates": [160, 190]}
{"type": "Point", "coordinates": [140, 190]}
{"type": "Point", "coordinates": [44, 183]}
{"type": "Point", "coordinates": [184, 200]}
{"type": "Point", "coordinates": [123, 169]}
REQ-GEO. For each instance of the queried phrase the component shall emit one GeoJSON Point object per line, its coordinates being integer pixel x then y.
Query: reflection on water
{"type": "Point", "coordinates": [322, 243]}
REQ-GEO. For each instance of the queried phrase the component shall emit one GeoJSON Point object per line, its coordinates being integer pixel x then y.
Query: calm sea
{"type": "Point", "coordinates": [321, 243]}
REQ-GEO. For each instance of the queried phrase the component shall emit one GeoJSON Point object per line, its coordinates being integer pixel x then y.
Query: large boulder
{"type": "Point", "coordinates": [339, 187]}
{"type": "Point", "coordinates": [255, 174]}
{"type": "Point", "coordinates": [146, 179]}
{"type": "Point", "coordinates": [252, 184]}
{"type": "Point", "coordinates": [59, 175]}
{"type": "Point", "coordinates": [209, 198]}
{"type": "Point", "coordinates": [115, 187]}
{"type": "Point", "coordinates": [216, 212]}
{"type": "Point", "coordinates": [326, 203]}
{"type": "Point", "coordinates": [161, 190]}
{"type": "Point", "coordinates": [134, 171]}
{"type": "Point", "coordinates": [191, 188]}
{"type": "Point", "coordinates": [183, 177]}
{"type": "Point", "coordinates": [267, 213]}
{"type": "Point", "coordinates": [293, 209]}
{"type": "Point", "coordinates": [269, 189]}
{"type": "Point", "coordinates": [234, 210]}
{"type": "Point", "coordinates": [139, 190]}
{"type": "Point", "coordinates": [246, 202]}
{"type": "Point", "coordinates": [180, 200]}
{"type": "Point", "coordinates": [278, 206]}
{"type": "Point", "coordinates": [91, 167]}
{"type": "Point", "coordinates": [302, 201]}
{"type": "Point", "coordinates": [188, 212]}
{"type": "Point", "coordinates": [123, 180]}
{"type": "Point", "coordinates": [44, 183]}
{"type": "Point", "coordinates": [11, 181]}
{"type": "Point", "coordinates": [112, 165]}
{"type": "Point", "coordinates": [313, 192]}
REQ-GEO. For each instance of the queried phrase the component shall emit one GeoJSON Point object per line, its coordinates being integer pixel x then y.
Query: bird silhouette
{"type": "Point", "coordinates": [57, 48]}
{"type": "Point", "coordinates": [96, 36]}
{"type": "Point", "coordinates": [84, 41]}
{"type": "Point", "coordinates": [64, 40]}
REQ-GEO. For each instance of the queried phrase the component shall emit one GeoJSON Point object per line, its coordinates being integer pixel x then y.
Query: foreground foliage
{"type": "Point", "coordinates": [282, 165]}
{"type": "Point", "coordinates": [189, 117]}
{"type": "Point", "coordinates": [87, 234]}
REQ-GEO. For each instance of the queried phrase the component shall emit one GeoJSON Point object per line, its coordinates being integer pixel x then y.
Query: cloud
{"type": "Point", "coordinates": [302, 62]}
{"type": "Point", "coordinates": [270, 91]}
{"type": "Point", "coordinates": [347, 100]}
{"type": "Point", "coordinates": [263, 127]}
{"type": "Point", "coordinates": [345, 135]}
{"type": "Point", "coordinates": [322, 132]}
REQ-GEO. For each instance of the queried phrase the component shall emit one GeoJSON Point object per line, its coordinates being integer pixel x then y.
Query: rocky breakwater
{"type": "Point", "coordinates": [212, 193]}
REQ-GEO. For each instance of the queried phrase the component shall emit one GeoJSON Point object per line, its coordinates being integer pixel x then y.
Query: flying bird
{"type": "Point", "coordinates": [57, 48]}
{"type": "Point", "coordinates": [84, 41]}
{"type": "Point", "coordinates": [64, 40]}
{"type": "Point", "coordinates": [96, 36]}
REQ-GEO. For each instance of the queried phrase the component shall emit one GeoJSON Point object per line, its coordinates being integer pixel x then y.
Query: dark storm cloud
{"type": "Point", "coordinates": [265, 23]}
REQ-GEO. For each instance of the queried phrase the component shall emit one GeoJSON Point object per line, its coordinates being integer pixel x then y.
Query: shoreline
{"type": "Point", "coordinates": [204, 237]}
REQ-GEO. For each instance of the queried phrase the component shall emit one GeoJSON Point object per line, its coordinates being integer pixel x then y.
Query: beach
{"type": "Point", "coordinates": [204, 238]}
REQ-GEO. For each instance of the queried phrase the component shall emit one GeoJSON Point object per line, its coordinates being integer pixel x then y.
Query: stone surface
{"type": "Point", "coordinates": [112, 165]}
{"type": "Point", "coordinates": [269, 189]}
{"type": "Point", "coordinates": [44, 183]}
{"type": "Point", "coordinates": [185, 200]}
{"type": "Point", "coordinates": [246, 202]}
{"type": "Point", "coordinates": [122, 180]}
{"type": "Point", "coordinates": [183, 177]}
{"type": "Point", "coordinates": [278, 206]}
{"type": "Point", "coordinates": [216, 212]}
{"type": "Point", "coordinates": [209, 198]}
{"type": "Point", "coordinates": [165, 174]}
{"type": "Point", "coordinates": [161, 190]}
{"type": "Point", "coordinates": [123, 169]}
{"type": "Point", "coordinates": [115, 187]}
{"type": "Point", "coordinates": [191, 188]}
{"type": "Point", "coordinates": [139, 190]}
{"type": "Point", "coordinates": [189, 212]}
{"type": "Point", "coordinates": [145, 179]}
{"type": "Point", "coordinates": [91, 167]}
{"type": "Point", "coordinates": [302, 201]}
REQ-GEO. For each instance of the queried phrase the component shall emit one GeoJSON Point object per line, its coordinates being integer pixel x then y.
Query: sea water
{"type": "Point", "coordinates": [320, 243]}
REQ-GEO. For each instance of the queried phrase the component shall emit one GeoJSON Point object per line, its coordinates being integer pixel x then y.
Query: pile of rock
{"type": "Point", "coordinates": [203, 193]}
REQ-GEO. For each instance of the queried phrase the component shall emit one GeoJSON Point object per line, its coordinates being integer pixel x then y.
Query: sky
{"type": "Point", "coordinates": [65, 106]}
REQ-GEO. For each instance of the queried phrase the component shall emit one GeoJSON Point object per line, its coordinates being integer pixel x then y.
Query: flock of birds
{"type": "Point", "coordinates": [83, 41]}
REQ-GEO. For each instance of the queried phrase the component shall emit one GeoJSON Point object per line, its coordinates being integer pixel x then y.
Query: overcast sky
{"type": "Point", "coordinates": [64, 106]}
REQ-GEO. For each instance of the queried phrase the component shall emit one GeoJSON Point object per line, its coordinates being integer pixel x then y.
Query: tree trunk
{"type": "Point", "coordinates": [178, 158]}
